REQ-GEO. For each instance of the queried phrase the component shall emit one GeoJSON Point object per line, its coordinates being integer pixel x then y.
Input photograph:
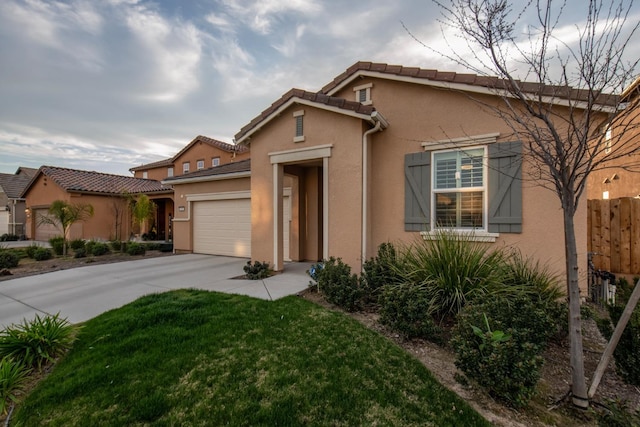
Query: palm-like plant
{"type": "Point", "coordinates": [63, 215]}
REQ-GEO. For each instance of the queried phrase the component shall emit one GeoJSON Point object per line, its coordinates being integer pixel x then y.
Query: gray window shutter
{"type": "Point", "coordinates": [505, 187]}
{"type": "Point", "coordinates": [417, 189]}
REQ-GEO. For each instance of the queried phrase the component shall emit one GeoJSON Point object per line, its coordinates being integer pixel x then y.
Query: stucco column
{"type": "Point", "coordinates": [278, 240]}
{"type": "Point", "coordinates": [325, 208]}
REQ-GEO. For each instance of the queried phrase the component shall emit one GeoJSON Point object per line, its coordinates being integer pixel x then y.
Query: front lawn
{"type": "Point", "coordinates": [199, 358]}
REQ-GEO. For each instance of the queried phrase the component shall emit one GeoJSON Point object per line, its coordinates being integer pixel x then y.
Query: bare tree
{"type": "Point", "coordinates": [561, 107]}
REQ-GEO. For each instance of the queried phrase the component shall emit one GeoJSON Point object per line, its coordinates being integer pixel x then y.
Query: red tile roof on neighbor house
{"type": "Point", "coordinates": [230, 148]}
{"type": "Point", "coordinates": [489, 82]}
{"type": "Point", "coordinates": [228, 168]}
{"type": "Point", "coordinates": [73, 180]}
{"type": "Point", "coordinates": [315, 97]}
{"type": "Point", "coordinates": [13, 185]}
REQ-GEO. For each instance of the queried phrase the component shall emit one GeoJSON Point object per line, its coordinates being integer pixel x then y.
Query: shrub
{"type": "Point", "coordinates": [8, 259]}
{"type": "Point", "coordinates": [31, 250]}
{"type": "Point", "coordinates": [32, 343]}
{"type": "Point", "coordinates": [99, 249]}
{"type": "Point", "coordinates": [338, 285]}
{"type": "Point", "coordinates": [80, 253]}
{"type": "Point", "coordinates": [57, 244]}
{"type": "Point", "coordinates": [499, 343]}
{"type": "Point", "coordinates": [6, 237]}
{"type": "Point", "coordinates": [88, 246]}
{"type": "Point", "coordinates": [257, 270]}
{"type": "Point", "coordinates": [118, 246]}
{"type": "Point", "coordinates": [166, 247]}
{"type": "Point", "coordinates": [13, 378]}
{"type": "Point", "coordinates": [135, 248]}
{"type": "Point", "coordinates": [523, 275]}
{"type": "Point", "coordinates": [42, 254]}
{"type": "Point", "coordinates": [76, 244]}
{"type": "Point", "coordinates": [453, 269]}
{"type": "Point", "coordinates": [627, 352]}
{"type": "Point", "coordinates": [406, 309]}
{"type": "Point", "coordinates": [617, 414]}
{"type": "Point", "coordinates": [380, 271]}
{"type": "Point", "coordinates": [154, 246]}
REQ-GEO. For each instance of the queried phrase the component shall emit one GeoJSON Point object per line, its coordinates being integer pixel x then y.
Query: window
{"type": "Point", "coordinates": [299, 130]}
{"type": "Point", "coordinates": [169, 172]}
{"type": "Point", "coordinates": [145, 174]}
{"type": "Point", "coordinates": [200, 164]}
{"type": "Point", "coordinates": [607, 140]}
{"type": "Point", "coordinates": [458, 190]}
{"type": "Point", "coordinates": [215, 161]}
{"type": "Point", "coordinates": [363, 93]}
{"type": "Point", "coordinates": [185, 167]}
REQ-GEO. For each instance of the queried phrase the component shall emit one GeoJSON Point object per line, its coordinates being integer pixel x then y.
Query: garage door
{"type": "Point", "coordinates": [44, 231]}
{"type": "Point", "coordinates": [223, 227]}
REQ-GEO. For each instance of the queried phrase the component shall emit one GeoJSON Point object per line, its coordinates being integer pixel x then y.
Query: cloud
{"type": "Point", "coordinates": [260, 16]}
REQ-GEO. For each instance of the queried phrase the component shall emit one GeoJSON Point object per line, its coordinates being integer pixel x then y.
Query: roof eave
{"type": "Point", "coordinates": [218, 177]}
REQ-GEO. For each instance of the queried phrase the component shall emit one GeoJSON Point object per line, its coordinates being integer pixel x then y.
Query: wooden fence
{"type": "Point", "coordinates": [614, 234]}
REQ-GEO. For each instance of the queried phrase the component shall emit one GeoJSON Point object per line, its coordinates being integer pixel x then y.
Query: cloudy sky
{"type": "Point", "coordinates": [107, 85]}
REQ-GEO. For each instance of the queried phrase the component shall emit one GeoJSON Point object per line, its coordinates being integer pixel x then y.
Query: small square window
{"type": "Point", "coordinates": [185, 167]}
{"type": "Point", "coordinates": [200, 164]}
{"type": "Point", "coordinates": [169, 172]}
{"type": "Point", "coordinates": [215, 161]}
{"type": "Point", "coordinates": [363, 93]}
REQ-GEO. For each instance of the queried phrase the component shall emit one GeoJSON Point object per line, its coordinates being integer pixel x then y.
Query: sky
{"type": "Point", "coordinates": [108, 85]}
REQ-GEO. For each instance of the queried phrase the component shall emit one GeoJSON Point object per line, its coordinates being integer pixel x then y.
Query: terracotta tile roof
{"type": "Point", "coordinates": [230, 148]}
{"type": "Point", "coordinates": [228, 168]}
{"type": "Point", "coordinates": [13, 185]}
{"type": "Point", "coordinates": [561, 92]}
{"type": "Point", "coordinates": [80, 181]}
{"type": "Point", "coordinates": [317, 97]}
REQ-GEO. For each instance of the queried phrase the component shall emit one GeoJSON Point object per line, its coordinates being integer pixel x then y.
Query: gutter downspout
{"type": "Point", "coordinates": [381, 124]}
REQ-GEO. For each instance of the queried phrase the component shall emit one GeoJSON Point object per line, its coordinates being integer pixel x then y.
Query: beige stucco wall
{"type": "Point", "coordinates": [415, 114]}
{"type": "Point", "coordinates": [101, 226]}
{"type": "Point", "coordinates": [182, 222]}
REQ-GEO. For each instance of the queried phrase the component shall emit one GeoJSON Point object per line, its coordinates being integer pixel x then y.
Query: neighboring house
{"type": "Point", "coordinates": [201, 153]}
{"type": "Point", "coordinates": [105, 192]}
{"type": "Point", "coordinates": [382, 153]}
{"type": "Point", "coordinates": [614, 181]}
{"type": "Point", "coordinates": [12, 205]}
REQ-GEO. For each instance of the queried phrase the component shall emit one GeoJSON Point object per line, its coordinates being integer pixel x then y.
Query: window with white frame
{"type": "Point", "coordinates": [363, 93]}
{"type": "Point", "coordinates": [145, 174]}
{"type": "Point", "coordinates": [200, 164]}
{"type": "Point", "coordinates": [169, 172]}
{"type": "Point", "coordinates": [215, 161]}
{"type": "Point", "coordinates": [185, 167]}
{"type": "Point", "coordinates": [459, 189]}
{"type": "Point", "coordinates": [299, 130]}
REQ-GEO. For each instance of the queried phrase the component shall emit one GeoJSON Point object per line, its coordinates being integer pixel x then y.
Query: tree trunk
{"type": "Point", "coordinates": [578, 382]}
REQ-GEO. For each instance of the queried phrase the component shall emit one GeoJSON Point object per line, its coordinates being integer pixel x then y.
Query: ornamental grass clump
{"type": "Point", "coordinates": [38, 341]}
{"type": "Point", "coordinates": [13, 378]}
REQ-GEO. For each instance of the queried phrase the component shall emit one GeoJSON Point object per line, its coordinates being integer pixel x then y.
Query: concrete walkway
{"type": "Point", "coordinates": [80, 294]}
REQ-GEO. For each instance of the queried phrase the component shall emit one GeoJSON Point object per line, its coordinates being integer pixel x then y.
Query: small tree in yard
{"type": "Point", "coordinates": [563, 110]}
{"type": "Point", "coordinates": [142, 209]}
{"type": "Point", "coordinates": [63, 215]}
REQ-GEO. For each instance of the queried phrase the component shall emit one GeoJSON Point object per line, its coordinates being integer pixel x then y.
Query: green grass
{"type": "Point", "coordinates": [199, 358]}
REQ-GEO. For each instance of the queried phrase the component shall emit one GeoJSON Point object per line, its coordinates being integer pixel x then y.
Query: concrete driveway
{"type": "Point", "coordinates": [80, 294]}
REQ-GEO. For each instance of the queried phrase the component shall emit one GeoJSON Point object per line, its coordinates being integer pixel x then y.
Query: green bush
{"type": "Point", "coordinates": [42, 254]}
{"type": "Point", "coordinates": [617, 413]}
{"type": "Point", "coordinates": [76, 244]}
{"type": "Point", "coordinates": [135, 248]}
{"type": "Point", "coordinates": [380, 271]}
{"type": "Point", "coordinates": [627, 352]}
{"type": "Point", "coordinates": [453, 269]}
{"type": "Point", "coordinates": [35, 342]}
{"type": "Point", "coordinates": [523, 275]}
{"type": "Point", "coordinates": [338, 285]}
{"type": "Point", "coordinates": [406, 309]}
{"type": "Point", "coordinates": [118, 246]}
{"type": "Point", "coordinates": [80, 253]}
{"type": "Point", "coordinates": [13, 378]}
{"type": "Point", "coordinates": [31, 250]}
{"type": "Point", "coordinates": [99, 248]}
{"type": "Point", "coordinates": [154, 246]}
{"type": "Point", "coordinates": [258, 270]}
{"type": "Point", "coordinates": [6, 237]}
{"type": "Point", "coordinates": [499, 343]}
{"type": "Point", "coordinates": [8, 259]}
{"type": "Point", "coordinates": [57, 244]}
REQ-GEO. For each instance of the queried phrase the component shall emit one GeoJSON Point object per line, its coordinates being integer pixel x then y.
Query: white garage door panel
{"type": "Point", "coordinates": [222, 227]}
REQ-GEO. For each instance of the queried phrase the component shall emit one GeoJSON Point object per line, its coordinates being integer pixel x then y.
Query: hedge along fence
{"type": "Point", "coordinates": [613, 234]}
